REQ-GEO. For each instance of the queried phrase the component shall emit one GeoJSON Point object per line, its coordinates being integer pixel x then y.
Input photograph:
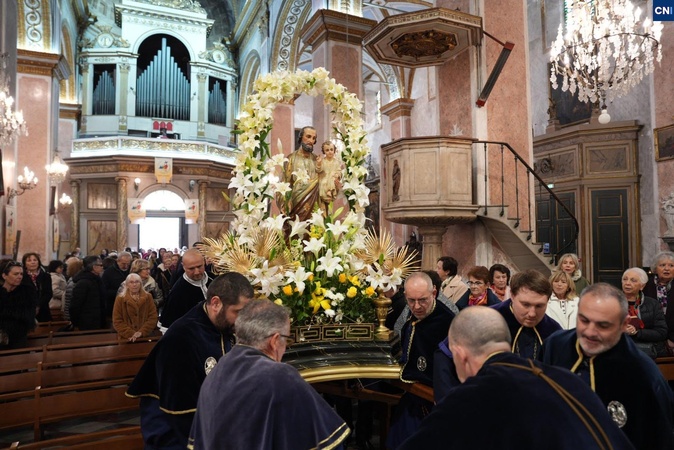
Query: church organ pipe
{"type": "Point", "coordinates": [163, 89]}
{"type": "Point", "coordinates": [217, 105]}
{"type": "Point", "coordinates": [104, 95]}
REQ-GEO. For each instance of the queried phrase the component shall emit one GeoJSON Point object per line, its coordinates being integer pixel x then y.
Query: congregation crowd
{"type": "Point", "coordinates": [547, 362]}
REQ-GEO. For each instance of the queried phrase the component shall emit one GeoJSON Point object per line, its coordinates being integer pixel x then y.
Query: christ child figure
{"type": "Point", "coordinates": [330, 182]}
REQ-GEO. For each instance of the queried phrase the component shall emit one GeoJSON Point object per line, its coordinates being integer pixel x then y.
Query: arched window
{"type": "Point", "coordinates": [163, 201]}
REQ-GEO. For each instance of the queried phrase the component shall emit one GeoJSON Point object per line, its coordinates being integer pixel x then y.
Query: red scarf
{"type": "Point", "coordinates": [481, 300]}
{"type": "Point", "coordinates": [500, 293]}
{"type": "Point", "coordinates": [633, 313]}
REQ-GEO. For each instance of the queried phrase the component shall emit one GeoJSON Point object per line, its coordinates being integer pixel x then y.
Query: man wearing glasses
{"type": "Point", "coordinates": [420, 336]}
{"type": "Point", "coordinates": [168, 383]}
{"type": "Point", "coordinates": [252, 400]}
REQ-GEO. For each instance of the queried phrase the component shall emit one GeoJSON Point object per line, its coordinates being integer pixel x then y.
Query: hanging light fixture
{"type": "Point", "coordinates": [12, 123]}
{"type": "Point", "coordinates": [57, 170]}
{"type": "Point", "coordinates": [65, 200]}
{"type": "Point", "coordinates": [606, 51]}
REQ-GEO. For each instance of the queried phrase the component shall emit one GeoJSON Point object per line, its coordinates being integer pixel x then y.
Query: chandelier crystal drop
{"type": "Point", "coordinates": [606, 51]}
{"type": "Point", "coordinates": [12, 123]}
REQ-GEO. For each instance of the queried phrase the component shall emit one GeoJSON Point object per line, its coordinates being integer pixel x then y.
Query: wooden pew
{"type": "Point", "coordinates": [72, 380]}
{"type": "Point", "coordinates": [666, 366]}
{"type": "Point", "coordinates": [46, 327]}
{"type": "Point", "coordinates": [72, 337]}
{"type": "Point", "coordinates": [126, 438]}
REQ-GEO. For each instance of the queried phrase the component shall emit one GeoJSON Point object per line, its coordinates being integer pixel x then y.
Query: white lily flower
{"type": "Point", "coordinates": [337, 228]}
{"type": "Point", "coordinates": [298, 228]}
{"type": "Point", "coordinates": [329, 264]}
{"type": "Point", "coordinates": [275, 223]}
{"type": "Point", "coordinates": [298, 277]}
{"type": "Point", "coordinates": [314, 245]}
{"type": "Point", "coordinates": [269, 279]}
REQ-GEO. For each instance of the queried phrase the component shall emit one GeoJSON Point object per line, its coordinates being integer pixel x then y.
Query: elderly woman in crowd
{"type": "Point", "coordinates": [142, 268]}
{"type": "Point", "coordinates": [646, 321]}
{"type": "Point", "coordinates": [134, 314]}
{"type": "Point", "coordinates": [569, 263]}
{"type": "Point", "coordinates": [659, 285]}
{"type": "Point", "coordinates": [499, 280]}
{"type": "Point", "coordinates": [479, 292]}
{"type": "Point", "coordinates": [563, 304]}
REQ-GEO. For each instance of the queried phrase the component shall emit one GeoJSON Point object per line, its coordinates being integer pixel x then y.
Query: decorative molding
{"type": "Point", "coordinates": [331, 25]}
{"type": "Point", "coordinates": [37, 63]}
{"type": "Point", "coordinates": [286, 39]}
{"type": "Point", "coordinates": [69, 111]}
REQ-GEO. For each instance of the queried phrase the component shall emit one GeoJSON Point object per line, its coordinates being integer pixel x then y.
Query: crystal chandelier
{"type": "Point", "coordinates": [606, 51]}
{"type": "Point", "coordinates": [57, 170]}
{"type": "Point", "coordinates": [11, 122]}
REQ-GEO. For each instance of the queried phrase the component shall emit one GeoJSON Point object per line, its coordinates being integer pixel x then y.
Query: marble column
{"type": "Point", "coordinates": [231, 103]}
{"type": "Point", "coordinates": [202, 90]}
{"type": "Point", "coordinates": [202, 208]}
{"type": "Point", "coordinates": [336, 41]}
{"type": "Point", "coordinates": [122, 214]}
{"type": "Point", "coordinates": [75, 216]}
{"type": "Point", "coordinates": [37, 95]}
{"type": "Point", "coordinates": [123, 90]}
{"type": "Point", "coordinates": [399, 112]}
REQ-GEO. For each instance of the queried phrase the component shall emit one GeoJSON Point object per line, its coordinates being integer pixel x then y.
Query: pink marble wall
{"type": "Point", "coordinates": [664, 115]}
{"type": "Point", "coordinates": [32, 207]}
{"type": "Point", "coordinates": [508, 104]}
{"type": "Point", "coordinates": [459, 243]}
{"type": "Point", "coordinates": [455, 95]}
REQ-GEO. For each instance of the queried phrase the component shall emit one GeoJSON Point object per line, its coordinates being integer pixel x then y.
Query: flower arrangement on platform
{"type": "Point", "coordinates": [328, 271]}
{"type": "Point", "coordinates": [329, 268]}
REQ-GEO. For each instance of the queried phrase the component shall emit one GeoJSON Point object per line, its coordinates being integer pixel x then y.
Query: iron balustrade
{"type": "Point", "coordinates": [531, 176]}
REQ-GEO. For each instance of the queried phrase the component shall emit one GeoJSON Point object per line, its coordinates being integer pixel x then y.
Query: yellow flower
{"type": "Point", "coordinates": [354, 280]}
{"type": "Point", "coordinates": [278, 301]}
{"type": "Point", "coordinates": [351, 293]}
{"type": "Point", "coordinates": [319, 290]}
{"type": "Point", "coordinates": [342, 278]}
{"type": "Point", "coordinates": [288, 289]}
{"type": "Point", "coordinates": [318, 301]}
{"type": "Point", "coordinates": [369, 291]}
{"type": "Point", "coordinates": [310, 277]}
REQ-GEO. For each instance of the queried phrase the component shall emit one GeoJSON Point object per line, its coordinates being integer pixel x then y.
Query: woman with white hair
{"type": "Point", "coordinates": [659, 285]}
{"type": "Point", "coordinates": [646, 323]}
{"type": "Point", "coordinates": [134, 315]}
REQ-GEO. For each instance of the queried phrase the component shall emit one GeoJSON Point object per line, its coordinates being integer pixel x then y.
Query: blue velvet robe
{"type": "Point", "coordinates": [623, 374]}
{"type": "Point", "coordinates": [545, 328]}
{"type": "Point", "coordinates": [504, 407]}
{"type": "Point", "coordinates": [251, 402]}
{"type": "Point", "coordinates": [169, 380]}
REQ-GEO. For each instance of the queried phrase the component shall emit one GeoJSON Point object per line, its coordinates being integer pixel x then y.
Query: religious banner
{"type": "Point", "coordinates": [163, 170]}
{"type": "Point", "coordinates": [136, 211]}
{"type": "Point", "coordinates": [191, 210]}
{"type": "Point", "coordinates": [10, 229]}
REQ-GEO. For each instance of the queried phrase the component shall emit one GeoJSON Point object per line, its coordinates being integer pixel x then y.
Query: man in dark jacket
{"type": "Point", "coordinates": [626, 380]}
{"type": "Point", "coordinates": [113, 277]}
{"type": "Point", "coordinates": [87, 305]}
{"type": "Point", "coordinates": [190, 289]}
{"type": "Point", "coordinates": [537, 406]}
